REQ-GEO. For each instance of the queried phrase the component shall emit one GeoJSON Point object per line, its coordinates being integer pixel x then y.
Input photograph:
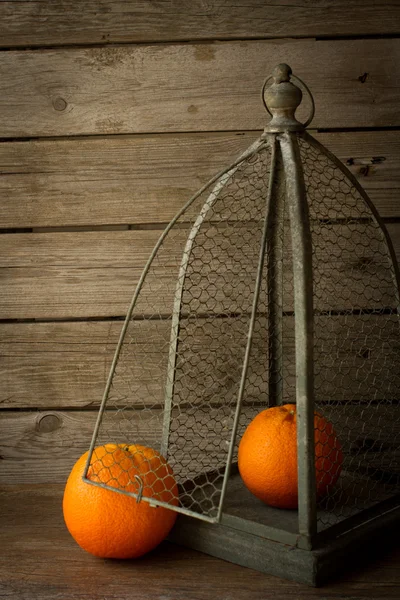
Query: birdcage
{"type": "Point", "coordinates": [276, 283]}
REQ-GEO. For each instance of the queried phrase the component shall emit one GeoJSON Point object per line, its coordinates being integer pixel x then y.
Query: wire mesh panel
{"type": "Point", "coordinates": [271, 373]}
{"type": "Point", "coordinates": [176, 375]}
{"type": "Point", "coordinates": [356, 336]}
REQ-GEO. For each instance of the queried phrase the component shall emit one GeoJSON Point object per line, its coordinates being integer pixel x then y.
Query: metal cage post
{"type": "Point", "coordinates": [304, 343]}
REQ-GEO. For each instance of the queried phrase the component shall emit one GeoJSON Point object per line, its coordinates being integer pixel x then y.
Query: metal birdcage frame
{"type": "Point", "coordinates": [278, 159]}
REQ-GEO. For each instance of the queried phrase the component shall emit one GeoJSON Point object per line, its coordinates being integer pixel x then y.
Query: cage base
{"type": "Point", "coordinates": [312, 567]}
{"type": "Point", "coordinates": [266, 539]}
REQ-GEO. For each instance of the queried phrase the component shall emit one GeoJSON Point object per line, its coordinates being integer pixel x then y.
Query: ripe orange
{"type": "Point", "coordinates": [114, 525]}
{"type": "Point", "coordinates": [267, 457]}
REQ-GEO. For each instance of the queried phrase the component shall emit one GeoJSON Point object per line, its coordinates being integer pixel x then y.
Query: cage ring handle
{"type": "Point", "coordinates": [298, 80]}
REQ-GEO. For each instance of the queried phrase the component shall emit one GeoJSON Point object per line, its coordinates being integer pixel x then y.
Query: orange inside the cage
{"type": "Point", "coordinates": [267, 457]}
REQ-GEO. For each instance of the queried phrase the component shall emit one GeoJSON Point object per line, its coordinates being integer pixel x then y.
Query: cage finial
{"type": "Point", "coordinates": [281, 73]}
{"type": "Point", "coordinates": [282, 98]}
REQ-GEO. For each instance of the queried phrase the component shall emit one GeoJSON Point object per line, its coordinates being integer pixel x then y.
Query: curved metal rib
{"type": "Point", "coordinates": [176, 315]}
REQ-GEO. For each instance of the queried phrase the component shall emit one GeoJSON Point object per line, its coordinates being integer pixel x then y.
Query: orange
{"type": "Point", "coordinates": [267, 456]}
{"type": "Point", "coordinates": [114, 525]}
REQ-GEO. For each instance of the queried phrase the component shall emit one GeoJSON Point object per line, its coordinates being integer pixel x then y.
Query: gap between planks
{"type": "Point", "coordinates": [203, 40]}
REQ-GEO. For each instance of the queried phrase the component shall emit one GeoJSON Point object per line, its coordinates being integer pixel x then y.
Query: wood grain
{"type": "Point", "coordinates": [60, 285]}
{"type": "Point", "coordinates": [42, 446]}
{"type": "Point", "coordinates": [171, 88]}
{"type": "Point", "coordinates": [140, 179]}
{"type": "Point", "coordinates": [94, 274]}
{"type": "Point", "coordinates": [45, 445]}
{"type": "Point", "coordinates": [64, 22]}
{"type": "Point", "coordinates": [54, 365]}
{"type": "Point", "coordinates": [29, 437]}
{"type": "Point", "coordinates": [109, 180]}
{"type": "Point", "coordinates": [43, 562]}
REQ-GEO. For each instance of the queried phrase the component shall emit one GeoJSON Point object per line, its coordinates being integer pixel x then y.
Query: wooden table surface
{"type": "Point", "coordinates": [39, 560]}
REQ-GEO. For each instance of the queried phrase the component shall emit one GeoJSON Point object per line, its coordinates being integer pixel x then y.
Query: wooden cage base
{"type": "Point", "coordinates": [263, 538]}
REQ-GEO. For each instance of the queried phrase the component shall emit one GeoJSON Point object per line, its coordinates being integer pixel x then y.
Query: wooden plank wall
{"type": "Point", "coordinates": [112, 113]}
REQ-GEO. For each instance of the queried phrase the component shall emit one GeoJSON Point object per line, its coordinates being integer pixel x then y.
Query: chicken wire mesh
{"type": "Point", "coordinates": [175, 382]}
{"type": "Point", "coordinates": [356, 335]}
{"type": "Point", "coordinates": [209, 339]}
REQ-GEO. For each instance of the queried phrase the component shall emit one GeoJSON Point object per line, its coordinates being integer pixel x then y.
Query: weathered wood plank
{"type": "Point", "coordinates": [171, 88]}
{"type": "Point", "coordinates": [109, 180]}
{"type": "Point", "coordinates": [61, 436]}
{"type": "Point", "coordinates": [94, 274]}
{"type": "Point", "coordinates": [147, 178]}
{"type": "Point", "coordinates": [54, 365]}
{"type": "Point", "coordinates": [29, 437]}
{"type": "Point", "coordinates": [63, 22]}
{"type": "Point", "coordinates": [41, 447]}
{"type": "Point", "coordinates": [53, 441]}
{"type": "Point", "coordinates": [373, 157]}
{"type": "Point", "coordinates": [60, 285]}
